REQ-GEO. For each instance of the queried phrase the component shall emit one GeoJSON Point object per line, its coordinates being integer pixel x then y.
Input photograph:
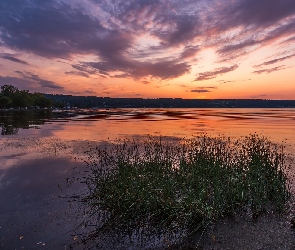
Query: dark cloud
{"type": "Point", "coordinates": [223, 81]}
{"type": "Point", "coordinates": [238, 46]}
{"type": "Point", "coordinates": [136, 69]}
{"type": "Point", "coordinates": [203, 89]}
{"type": "Point", "coordinates": [249, 24]}
{"type": "Point", "coordinates": [14, 59]}
{"type": "Point", "coordinates": [41, 82]}
{"type": "Point", "coordinates": [20, 83]}
{"type": "Point", "coordinates": [84, 68]}
{"type": "Point", "coordinates": [213, 74]}
{"type": "Point", "coordinates": [274, 61]}
{"type": "Point", "coordinates": [183, 28]}
{"type": "Point", "coordinates": [255, 38]}
{"type": "Point", "coordinates": [163, 69]}
{"type": "Point", "coordinates": [77, 73]}
{"type": "Point", "coordinates": [172, 21]}
{"type": "Point", "coordinates": [200, 91]}
{"type": "Point", "coordinates": [109, 31]}
{"type": "Point", "coordinates": [56, 29]}
{"type": "Point", "coordinates": [26, 84]}
{"type": "Point", "coordinates": [269, 70]}
{"type": "Point", "coordinates": [189, 51]}
{"type": "Point", "coordinates": [261, 13]}
{"type": "Point", "coordinates": [89, 91]}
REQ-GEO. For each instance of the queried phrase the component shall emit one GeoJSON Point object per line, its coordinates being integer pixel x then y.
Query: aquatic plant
{"type": "Point", "coordinates": [161, 188]}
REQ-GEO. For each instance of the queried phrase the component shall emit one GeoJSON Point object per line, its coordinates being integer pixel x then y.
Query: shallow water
{"type": "Point", "coordinates": [39, 151]}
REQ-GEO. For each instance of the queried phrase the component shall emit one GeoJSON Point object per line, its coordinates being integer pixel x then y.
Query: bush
{"type": "Point", "coordinates": [158, 187]}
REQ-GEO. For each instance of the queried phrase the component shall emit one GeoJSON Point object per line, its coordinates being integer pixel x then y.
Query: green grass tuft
{"type": "Point", "coordinates": [175, 188]}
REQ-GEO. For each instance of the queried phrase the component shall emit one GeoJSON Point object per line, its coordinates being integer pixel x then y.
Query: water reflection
{"type": "Point", "coordinates": [276, 124]}
{"type": "Point", "coordinates": [106, 125]}
{"type": "Point", "coordinates": [12, 120]}
{"type": "Point", "coordinates": [34, 161]}
{"type": "Point", "coordinates": [30, 206]}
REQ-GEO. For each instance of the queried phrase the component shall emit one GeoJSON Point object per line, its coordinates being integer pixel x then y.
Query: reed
{"type": "Point", "coordinates": [160, 187]}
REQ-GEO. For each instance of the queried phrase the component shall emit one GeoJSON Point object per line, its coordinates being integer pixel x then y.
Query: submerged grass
{"type": "Point", "coordinates": [159, 188]}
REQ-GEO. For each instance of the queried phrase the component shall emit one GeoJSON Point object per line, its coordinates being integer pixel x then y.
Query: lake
{"type": "Point", "coordinates": [40, 149]}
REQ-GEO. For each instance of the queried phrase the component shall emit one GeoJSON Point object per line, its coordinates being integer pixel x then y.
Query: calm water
{"type": "Point", "coordinates": [38, 151]}
{"type": "Point", "coordinates": [278, 124]}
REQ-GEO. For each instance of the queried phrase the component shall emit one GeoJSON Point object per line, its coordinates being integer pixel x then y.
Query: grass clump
{"type": "Point", "coordinates": [159, 188]}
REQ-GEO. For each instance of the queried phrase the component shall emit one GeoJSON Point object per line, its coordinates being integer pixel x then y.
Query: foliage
{"type": "Point", "coordinates": [22, 99]}
{"type": "Point", "coordinates": [41, 101]}
{"type": "Point", "coordinates": [5, 101]}
{"type": "Point", "coordinates": [176, 188]}
{"type": "Point", "coordinates": [12, 97]}
{"type": "Point", "coordinates": [8, 90]}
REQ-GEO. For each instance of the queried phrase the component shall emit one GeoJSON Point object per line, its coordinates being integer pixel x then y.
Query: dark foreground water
{"type": "Point", "coordinates": [40, 150]}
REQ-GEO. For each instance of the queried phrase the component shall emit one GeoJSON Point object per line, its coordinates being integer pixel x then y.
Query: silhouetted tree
{"type": "Point", "coordinates": [41, 101]}
{"type": "Point", "coordinates": [22, 99]}
{"type": "Point", "coordinates": [8, 90]}
{"type": "Point", "coordinates": [5, 101]}
{"type": "Point", "coordinates": [11, 96]}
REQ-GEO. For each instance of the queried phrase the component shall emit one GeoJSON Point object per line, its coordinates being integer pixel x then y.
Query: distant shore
{"type": "Point", "coordinates": [108, 102]}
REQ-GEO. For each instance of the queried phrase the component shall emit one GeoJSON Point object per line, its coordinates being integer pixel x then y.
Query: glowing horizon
{"type": "Point", "coordinates": [150, 48]}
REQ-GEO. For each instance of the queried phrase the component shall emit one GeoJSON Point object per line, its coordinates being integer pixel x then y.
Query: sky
{"type": "Point", "coordinates": [206, 49]}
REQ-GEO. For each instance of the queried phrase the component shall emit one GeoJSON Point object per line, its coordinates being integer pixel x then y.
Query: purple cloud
{"type": "Point", "coordinates": [56, 29]}
{"type": "Point", "coordinates": [269, 70]}
{"type": "Point", "coordinates": [39, 81]}
{"type": "Point", "coordinates": [200, 91]}
{"type": "Point", "coordinates": [216, 72]}
{"type": "Point", "coordinates": [189, 51]}
{"type": "Point", "coordinates": [77, 73]}
{"type": "Point", "coordinates": [136, 69]}
{"type": "Point", "coordinates": [14, 59]}
{"type": "Point", "coordinates": [109, 32]}
{"type": "Point", "coordinates": [274, 61]}
{"type": "Point", "coordinates": [203, 89]}
{"type": "Point", "coordinates": [26, 84]}
{"type": "Point", "coordinates": [263, 12]}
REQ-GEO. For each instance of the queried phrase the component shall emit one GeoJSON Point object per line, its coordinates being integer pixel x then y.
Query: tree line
{"type": "Point", "coordinates": [12, 97]}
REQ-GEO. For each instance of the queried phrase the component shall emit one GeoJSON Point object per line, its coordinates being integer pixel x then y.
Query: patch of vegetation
{"type": "Point", "coordinates": [12, 97]}
{"type": "Point", "coordinates": [161, 189]}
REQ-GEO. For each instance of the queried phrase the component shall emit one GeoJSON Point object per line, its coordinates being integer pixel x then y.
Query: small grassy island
{"type": "Point", "coordinates": [173, 189]}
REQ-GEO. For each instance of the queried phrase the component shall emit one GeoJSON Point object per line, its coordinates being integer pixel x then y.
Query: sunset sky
{"type": "Point", "coordinates": [150, 48]}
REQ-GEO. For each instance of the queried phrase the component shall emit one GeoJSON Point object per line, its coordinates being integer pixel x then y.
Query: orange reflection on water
{"type": "Point", "coordinates": [277, 125]}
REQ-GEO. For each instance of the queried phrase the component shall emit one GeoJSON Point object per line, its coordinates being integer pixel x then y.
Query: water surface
{"type": "Point", "coordinates": [39, 150]}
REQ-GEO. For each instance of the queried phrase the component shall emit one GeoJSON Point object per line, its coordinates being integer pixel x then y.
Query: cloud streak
{"type": "Point", "coordinates": [14, 59]}
{"type": "Point", "coordinates": [135, 69]}
{"type": "Point", "coordinates": [274, 61]}
{"type": "Point", "coordinates": [215, 73]}
{"type": "Point", "coordinates": [267, 71]}
{"type": "Point", "coordinates": [41, 82]}
{"type": "Point", "coordinates": [203, 89]}
{"type": "Point", "coordinates": [77, 73]}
